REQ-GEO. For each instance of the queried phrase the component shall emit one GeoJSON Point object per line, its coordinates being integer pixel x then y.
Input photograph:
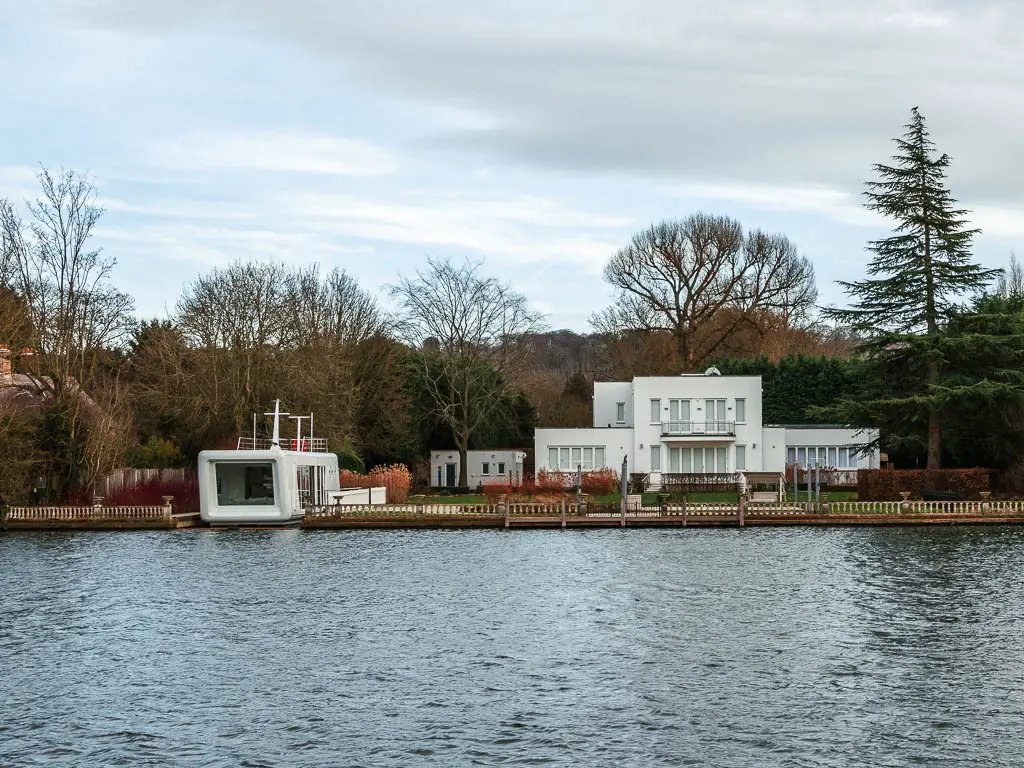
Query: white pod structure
{"type": "Point", "coordinates": [266, 481]}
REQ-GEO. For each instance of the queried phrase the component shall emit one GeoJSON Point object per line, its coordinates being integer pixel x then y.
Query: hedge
{"type": "Point", "coordinates": [886, 484]}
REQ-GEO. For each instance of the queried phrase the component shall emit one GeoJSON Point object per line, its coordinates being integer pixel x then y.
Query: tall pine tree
{"type": "Point", "coordinates": [915, 280]}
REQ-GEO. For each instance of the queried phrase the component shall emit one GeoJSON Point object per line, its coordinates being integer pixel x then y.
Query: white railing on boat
{"type": "Point", "coordinates": [305, 445]}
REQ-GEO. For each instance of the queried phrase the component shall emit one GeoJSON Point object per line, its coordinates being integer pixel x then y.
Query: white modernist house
{"type": "Point", "coordinates": [485, 467]}
{"type": "Point", "coordinates": [695, 423]}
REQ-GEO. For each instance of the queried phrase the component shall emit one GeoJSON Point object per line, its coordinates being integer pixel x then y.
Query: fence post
{"type": "Point", "coordinates": [625, 492]}
{"type": "Point", "coordinates": [168, 506]}
{"type": "Point", "coordinates": [743, 510]}
{"type": "Point", "coordinates": [563, 511]}
{"type": "Point", "coordinates": [506, 512]}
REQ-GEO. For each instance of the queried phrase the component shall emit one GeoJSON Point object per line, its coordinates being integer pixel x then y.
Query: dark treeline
{"type": "Point", "coordinates": [930, 348]}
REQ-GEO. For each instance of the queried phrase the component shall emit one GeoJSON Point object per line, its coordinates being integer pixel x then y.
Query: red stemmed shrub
{"type": "Point", "coordinates": [396, 478]}
{"type": "Point", "coordinates": [184, 490]}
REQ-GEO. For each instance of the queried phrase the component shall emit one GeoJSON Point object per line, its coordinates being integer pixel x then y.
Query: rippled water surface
{"type": "Point", "coordinates": [789, 647]}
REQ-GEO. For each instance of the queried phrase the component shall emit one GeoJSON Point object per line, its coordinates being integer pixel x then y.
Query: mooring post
{"type": "Point", "coordinates": [506, 512]}
{"type": "Point", "coordinates": [625, 492]}
{"type": "Point", "coordinates": [684, 511]}
{"type": "Point", "coordinates": [743, 510]}
{"type": "Point", "coordinates": [563, 511]}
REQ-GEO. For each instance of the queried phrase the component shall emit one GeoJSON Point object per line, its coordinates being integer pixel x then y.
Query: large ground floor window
{"type": "Point", "coordinates": [708, 459]}
{"type": "Point", "coordinates": [569, 458]}
{"type": "Point", "coordinates": [824, 456]}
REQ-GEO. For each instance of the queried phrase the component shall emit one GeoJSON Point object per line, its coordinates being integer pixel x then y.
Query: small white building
{"type": "Point", "coordinates": [695, 423]}
{"type": "Point", "coordinates": [503, 465]}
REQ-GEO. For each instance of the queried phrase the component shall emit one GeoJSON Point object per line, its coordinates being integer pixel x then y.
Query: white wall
{"type": "Point", "coordinates": [512, 459]}
{"type": "Point", "coordinates": [697, 389]}
{"type": "Point", "coordinates": [616, 442]}
{"type": "Point", "coordinates": [607, 394]}
{"type": "Point", "coordinates": [773, 456]}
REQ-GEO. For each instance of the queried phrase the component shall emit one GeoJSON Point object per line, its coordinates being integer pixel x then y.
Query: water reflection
{"type": "Point", "coordinates": [732, 648]}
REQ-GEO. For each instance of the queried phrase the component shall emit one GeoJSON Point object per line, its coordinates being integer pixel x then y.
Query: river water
{"type": "Point", "coordinates": [761, 647]}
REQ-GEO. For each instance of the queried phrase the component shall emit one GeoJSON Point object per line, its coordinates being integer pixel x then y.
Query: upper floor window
{"type": "Point", "coordinates": [741, 410]}
{"type": "Point", "coordinates": [679, 410]}
{"type": "Point", "coordinates": [620, 413]}
{"type": "Point", "coordinates": [655, 411]}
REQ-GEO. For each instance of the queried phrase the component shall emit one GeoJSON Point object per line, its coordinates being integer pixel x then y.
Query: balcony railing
{"type": "Point", "coordinates": [698, 428]}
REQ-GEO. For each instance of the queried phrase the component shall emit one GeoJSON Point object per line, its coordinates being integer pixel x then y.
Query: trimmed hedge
{"type": "Point", "coordinates": [886, 484]}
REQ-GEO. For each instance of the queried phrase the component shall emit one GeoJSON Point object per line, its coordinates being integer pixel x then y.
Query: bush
{"type": "Point", "coordinates": [396, 478]}
{"type": "Point", "coordinates": [350, 460]}
{"type": "Point", "coordinates": [185, 492]}
{"type": "Point", "coordinates": [155, 453]}
{"type": "Point", "coordinates": [886, 484]}
{"type": "Point", "coordinates": [599, 482]}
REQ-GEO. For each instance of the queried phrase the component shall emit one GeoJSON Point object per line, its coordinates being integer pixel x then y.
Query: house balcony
{"type": "Point", "coordinates": [672, 429]}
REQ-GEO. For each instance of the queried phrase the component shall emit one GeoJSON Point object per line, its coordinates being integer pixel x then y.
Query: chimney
{"type": "Point", "coordinates": [27, 361]}
{"type": "Point", "coordinates": [6, 372]}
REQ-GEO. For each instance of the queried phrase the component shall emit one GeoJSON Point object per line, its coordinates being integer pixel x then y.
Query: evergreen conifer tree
{"type": "Point", "coordinates": [915, 279]}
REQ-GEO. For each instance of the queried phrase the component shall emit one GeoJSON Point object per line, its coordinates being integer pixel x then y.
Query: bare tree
{"type": "Point", "coordinates": [680, 276]}
{"type": "Point", "coordinates": [472, 332]}
{"type": "Point", "coordinates": [74, 315]}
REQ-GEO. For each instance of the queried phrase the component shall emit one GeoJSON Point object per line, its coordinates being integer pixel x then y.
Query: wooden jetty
{"type": "Point", "coordinates": [738, 514]}
{"type": "Point", "coordinates": [566, 514]}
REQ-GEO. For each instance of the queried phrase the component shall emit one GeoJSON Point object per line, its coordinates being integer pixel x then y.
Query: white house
{"type": "Point", "coordinates": [485, 467]}
{"type": "Point", "coordinates": [695, 423]}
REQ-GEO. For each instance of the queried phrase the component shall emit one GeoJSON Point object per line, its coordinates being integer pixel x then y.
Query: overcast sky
{"type": "Point", "coordinates": [534, 134]}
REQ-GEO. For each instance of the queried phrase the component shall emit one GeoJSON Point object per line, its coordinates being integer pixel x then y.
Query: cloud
{"type": "Point", "coordinates": [774, 92]}
{"type": "Point", "coordinates": [277, 151]}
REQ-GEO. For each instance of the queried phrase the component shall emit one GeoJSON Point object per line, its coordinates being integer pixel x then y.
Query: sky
{"type": "Point", "coordinates": [534, 135]}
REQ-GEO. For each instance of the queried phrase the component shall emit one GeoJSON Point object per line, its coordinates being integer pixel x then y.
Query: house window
{"type": "Point", "coordinates": [741, 411]}
{"type": "Point", "coordinates": [790, 456]}
{"type": "Point", "coordinates": [655, 458]}
{"type": "Point", "coordinates": [501, 468]}
{"type": "Point", "coordinates": [588, 458]}
{"type": "Point", "coordinates": [679, 410]}
{"type": "Point", "coordinates": [568, 459]}
{"type": "Point", "coordinates": [723, 462]}
{"type": "Point", "coordinates": [741, 456]}
{"type": "Point", "coordinates": [844, 458]}
{"type": "Point", "coordinates": [655, 411]}
{"type": "Point", "coordinates": [832, 457]}
{"type": "Point", "coordinates": [620, 413]}
{"type": "Point", "coordinates": [486, 468]}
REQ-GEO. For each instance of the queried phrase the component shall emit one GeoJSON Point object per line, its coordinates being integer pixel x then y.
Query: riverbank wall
{"type": "Point", "coordinates": [567, 514]}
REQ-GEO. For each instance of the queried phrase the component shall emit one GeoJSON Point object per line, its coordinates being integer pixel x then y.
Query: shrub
{"type": "Point", "coordinates": [886, 484]}
{"type": "Point", "coordinates": [599, 482]}
{"type": "Point", "coordinates": [550, 481]}
{"type": "Point", "coordinates": [396, 478]}
{"type": "Point", "coordinates": [155, 453]}
{"type": "Point", "coordinates": [185, 492]}
{"type": "Point", "coordinates": [349, 459]}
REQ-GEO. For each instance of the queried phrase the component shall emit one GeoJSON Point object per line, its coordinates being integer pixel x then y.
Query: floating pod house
{"type": "Point", "coordinates": [270, 481]}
